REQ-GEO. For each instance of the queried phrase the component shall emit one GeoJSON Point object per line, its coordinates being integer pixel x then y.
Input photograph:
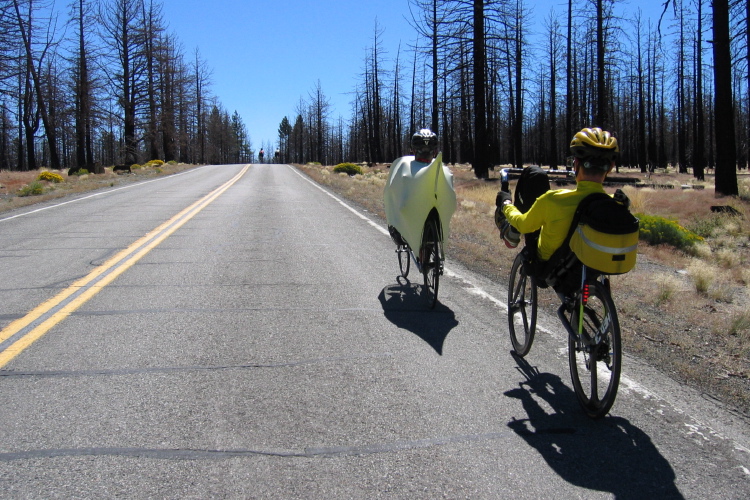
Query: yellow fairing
{"type": "Point", "coordinates": [607, 253]}
{"type": "Point", "coordinates": [413, 189]}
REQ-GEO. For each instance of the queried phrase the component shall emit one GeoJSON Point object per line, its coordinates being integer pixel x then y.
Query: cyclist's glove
{"type": "Point", "coordinates": [499, 218]}
{"type": "Point", "coordinates": [501, 198]}
{"type": "Point", "coordinates": [622, 198]}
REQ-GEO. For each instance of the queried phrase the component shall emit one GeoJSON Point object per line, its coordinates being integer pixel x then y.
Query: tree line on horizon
{"type": "Point", "coordinates": [109, 86]}
{"type": "Point", "coordinates": [675, 90]}
{"type": "Point", "coordinates": [112, 86]}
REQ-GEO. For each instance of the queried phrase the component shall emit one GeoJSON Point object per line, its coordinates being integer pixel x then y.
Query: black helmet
{"type": "Point", "coordinates": [424, 143]}
{"type": "Point", "coordinates": [596, 148]}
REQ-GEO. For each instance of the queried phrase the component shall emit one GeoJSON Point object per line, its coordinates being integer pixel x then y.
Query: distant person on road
{"type": "Point", "coordinates": [276, 154]}
{"type": "Point", "coordinates": [260, 155]}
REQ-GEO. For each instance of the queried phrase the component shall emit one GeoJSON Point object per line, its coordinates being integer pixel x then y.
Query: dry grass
{"type": "Point", "coordinates": [12, 182]}
{"type": "Point", "coordinates": [686, 313]}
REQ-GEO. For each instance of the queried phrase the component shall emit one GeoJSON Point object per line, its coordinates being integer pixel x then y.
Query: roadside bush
{"type": "Point", "coordinates": [666, 287]}
{"type": "Point", "coordinates": [32, 189]}
{"type": "Point", "coordinates": [171, 162]}
{"type": "Point", "coordinates": [81, 171]}
{"type": "Point", "coordinates": [640, 198]}
{"type": "Point", "coordinates": [50, 176]}
{"type": "Point", "coordinates": [348, 168]}
{"type": "Point", "coordinates": [154, 163]}
{"type": "Point", "coordinates": [706, 227]}
{"type": "Point", "coordinates": [740, 324]}
{"type": "Point", "coordinates": [703, 276]}
{"type": "Point", "coordinates": [656, 230]}
{"type": "Point", "coordinates": [135, 166]}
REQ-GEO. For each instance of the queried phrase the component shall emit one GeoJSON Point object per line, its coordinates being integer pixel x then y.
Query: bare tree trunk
{"type": "Point", "coordinates": [569, 77]}
{"type": "Point", "coordinates": [151, 19]}
{"type": "Point", "coordinates": [699, 155]}
{"type": "Point", "coordinates": [602, 117]}
{"type": "Point", "coordinates": [83, 100]}
{"type": "Point", "coordinates": [49, 129]}
{"type": "Point", "coordinates": [553, 96]}
{"type": "Point", "coordinates": [681, 147]}
{"type": "Point", "coordinates": [726, 154]}
{"type": "Point", "coordinates": [481, 160]}
{"type": "Point", "coordinates": [641, 148]}
{"type": "Point", "coordinates": [376, 103]}
{"type": "Point", "coordinates": [518, 130]}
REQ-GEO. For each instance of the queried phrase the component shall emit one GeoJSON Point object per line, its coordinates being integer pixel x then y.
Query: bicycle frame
{"type": "Point", "coordinates": [579, 301]}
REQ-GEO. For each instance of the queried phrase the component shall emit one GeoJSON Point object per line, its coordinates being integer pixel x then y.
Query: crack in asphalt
{"type": "Point", "coordinates": [206, 454]}
{"type": "Point", "coordinates": [174, 369]}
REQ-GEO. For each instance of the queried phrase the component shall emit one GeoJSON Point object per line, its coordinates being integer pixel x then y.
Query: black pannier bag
{"type": "Point", "coordinates": [605, 237]}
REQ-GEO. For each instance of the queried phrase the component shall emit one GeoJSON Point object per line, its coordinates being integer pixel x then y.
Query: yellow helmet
{"type": "Point", "coordinates": [596, 147]}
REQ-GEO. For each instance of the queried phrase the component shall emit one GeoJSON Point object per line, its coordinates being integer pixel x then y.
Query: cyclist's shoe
{"type": "Point", "coordinates": [510, 235]}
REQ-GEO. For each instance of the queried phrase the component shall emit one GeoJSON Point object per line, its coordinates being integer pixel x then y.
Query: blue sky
{"type": "Point", "coordinates": [266, 56]}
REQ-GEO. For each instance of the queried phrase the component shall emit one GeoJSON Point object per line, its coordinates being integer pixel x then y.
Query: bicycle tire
{"type": "Point", "coordinates": [431, 265]}
{"type": "Point", "coordinates": [602, 376]}
{"type": "Point", "coordinates": [522, 306]}
{"type": "Point", "coordinates": [404, 260]}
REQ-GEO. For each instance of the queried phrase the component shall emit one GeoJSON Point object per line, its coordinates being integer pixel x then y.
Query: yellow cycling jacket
{"type": "Point", "coordinates": [552, 212]}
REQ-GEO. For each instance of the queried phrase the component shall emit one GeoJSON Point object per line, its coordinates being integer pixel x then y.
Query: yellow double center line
{"type": "Point", "coordinates": [22, 332]}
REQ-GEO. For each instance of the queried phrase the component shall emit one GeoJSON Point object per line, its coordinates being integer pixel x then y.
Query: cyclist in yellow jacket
{"type": "Point", "coordinates": [595, 153]}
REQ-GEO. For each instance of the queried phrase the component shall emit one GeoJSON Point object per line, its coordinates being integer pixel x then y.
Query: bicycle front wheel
{"type": "Point", "coordinates": [404, 260]}
{"type": "Point", "coordinates": [431, 265]}
{"type": "Point", "coordinates": [521, 306]}
{"type": "Point", "coordinates": [596, 357]}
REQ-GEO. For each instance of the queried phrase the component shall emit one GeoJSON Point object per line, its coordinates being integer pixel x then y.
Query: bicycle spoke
{"type": "Point", "coordinates": [521, 307]}
{"type": "Point", "coordinates": [595, 359]}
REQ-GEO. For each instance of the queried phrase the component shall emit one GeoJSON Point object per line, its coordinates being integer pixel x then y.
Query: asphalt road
{"type": "Point", "coordinates": [259, 345]}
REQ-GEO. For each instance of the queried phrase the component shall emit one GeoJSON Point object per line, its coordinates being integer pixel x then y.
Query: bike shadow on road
{"type": "Point", "coordinates": [609, 454]}
{"type": "Point", "coordinates": [405, 306]}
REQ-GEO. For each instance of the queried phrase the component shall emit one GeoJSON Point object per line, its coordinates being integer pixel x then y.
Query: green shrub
{"type": "Point", "coordinates": [706, 227]}
{"type": "Point", "coordinates": [32, 189]}
{"type": "Point", "coordinates": [135, 166]}
{"type": "Point", "coordinates": [740, 323]}
{"type": "Point", "coordinates": [82, 171]}
{"type": "Point", "coordinates": [656, 230]}
{"type": "Point", "coordinates": [172, 162]}
{"type": "Point", "coordinates": [154, 163]}
{"type": "Point", "coordinates": [348, 168]}
{"type": "Point", "coordinates": [50, 176]}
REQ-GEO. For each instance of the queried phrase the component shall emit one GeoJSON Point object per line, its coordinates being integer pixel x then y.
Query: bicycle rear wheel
{"type": "Point", "coordinates": [431, 264]}
{"type": "Point", "coordinates": [521, 306]}
{"type": "Point", "coordinates": [404, 260]}
{"type": "Point", "coordinates": [596, 358]}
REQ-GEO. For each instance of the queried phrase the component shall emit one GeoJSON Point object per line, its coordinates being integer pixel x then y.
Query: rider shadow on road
{"type": "Point", "coordinates": [405, 306]}
{"type": "Point", "coordinates": [609, 454]}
